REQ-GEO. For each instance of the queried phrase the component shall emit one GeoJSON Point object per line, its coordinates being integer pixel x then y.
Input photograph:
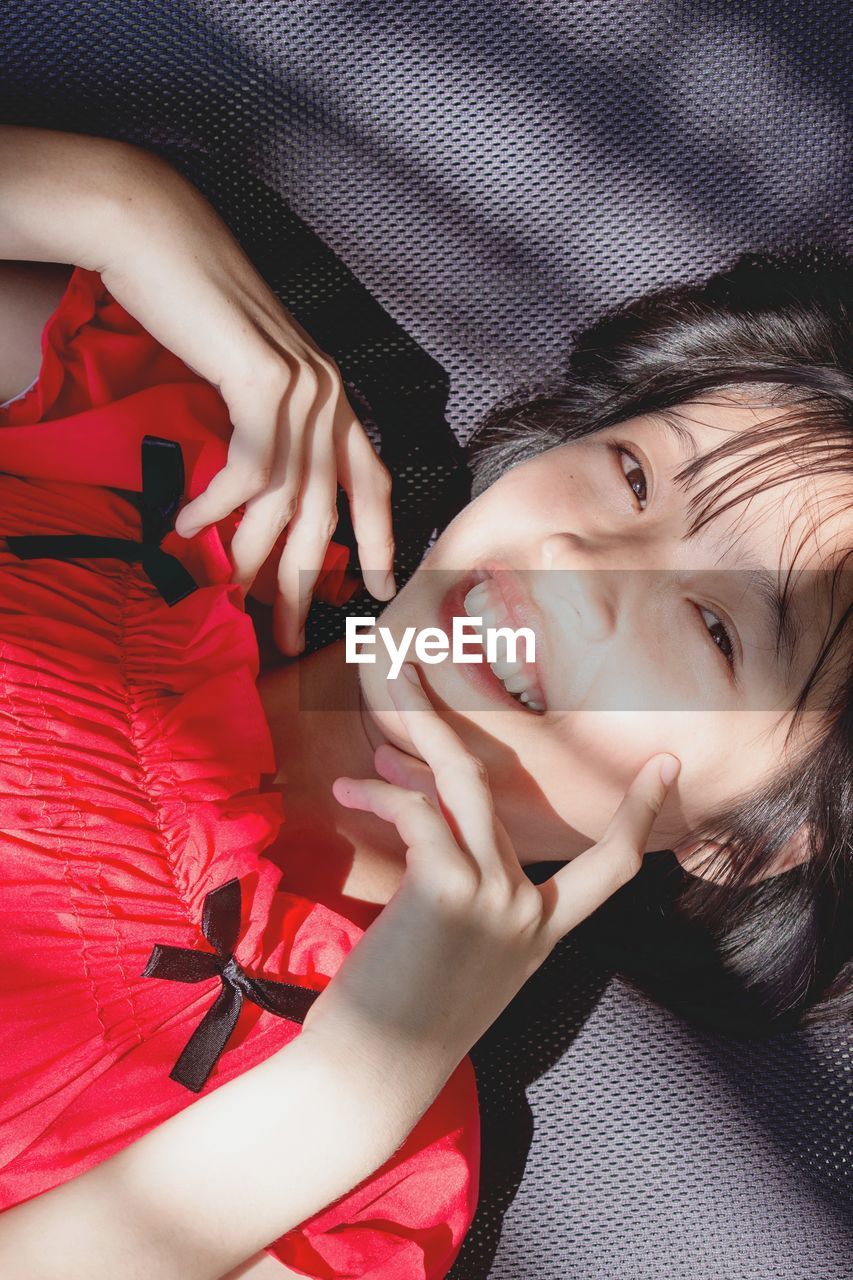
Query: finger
{"type": "Point", "coordinates": [247, 472]}
{"type": "Point", "coordinates": [404, 770]}
{"type": "Point", "coordinates": [461, 779]}
{"type": "Point", "coordinates": [256, 534]}
{"type": "Point", "coordinates": [418, 821]}
{"type": "Point", "coordinates": [590, 879]}
{"type": "Point", "coordinates": [308, 540]}
{"type": "Point", "coordinates": [367, 484]}
{"type": "Point", "coordinates": [272, 510]}
{"type": "Point", "coordinates": [268, 411]}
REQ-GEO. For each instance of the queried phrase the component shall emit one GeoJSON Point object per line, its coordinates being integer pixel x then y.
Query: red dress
{"type": "Point", "coordinates": [132, 741]}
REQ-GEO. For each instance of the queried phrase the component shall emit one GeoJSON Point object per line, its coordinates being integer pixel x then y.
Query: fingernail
{"type": "Point", "coordinates": [410, 673]}
{"type": "Point", "coordinates": [669, 769]}
{"type": "Point", "coordinates": [389, 586]}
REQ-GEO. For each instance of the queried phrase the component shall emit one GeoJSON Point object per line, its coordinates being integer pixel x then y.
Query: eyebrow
{"type": "Point", "coordinates": [781, 621]}
{"type": "Point", "coordinates": [780, 618]}
{"type": "Point", "coordinates": [683, 434]}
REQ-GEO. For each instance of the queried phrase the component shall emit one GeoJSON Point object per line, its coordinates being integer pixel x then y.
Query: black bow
{"type": "Point", "coordinates": [162, 490]}
{"type": "Point", "coordinates": [221, 927]}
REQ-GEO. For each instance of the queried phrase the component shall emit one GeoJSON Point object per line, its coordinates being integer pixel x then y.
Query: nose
{"type": "Point", "coordinates": [560, 550]}
{"type": "Point", "coordinates": [590, 588]}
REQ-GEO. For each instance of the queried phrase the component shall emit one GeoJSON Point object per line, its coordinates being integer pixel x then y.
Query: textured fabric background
{"type": "Point", "coordinates": [479, 179]}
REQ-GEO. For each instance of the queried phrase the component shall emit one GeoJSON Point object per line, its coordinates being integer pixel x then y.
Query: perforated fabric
{"type": "Point", "coordinates": [657, 1150]}
{"type": "Point", "coordinates": [479, 180]}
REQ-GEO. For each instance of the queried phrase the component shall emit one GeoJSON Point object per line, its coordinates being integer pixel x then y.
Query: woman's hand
{"type": "Point", "coordinates": [466, 928]}
{"type": "Point", "coordinates": [168, 258]}
{"type": "Point", "coordinates": [183, 276]}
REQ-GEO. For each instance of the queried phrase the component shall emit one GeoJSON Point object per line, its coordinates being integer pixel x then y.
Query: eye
{"type": "Point", "coordinates": [720, 635]}
{"type": "Point", "coordinates": [633, 473]}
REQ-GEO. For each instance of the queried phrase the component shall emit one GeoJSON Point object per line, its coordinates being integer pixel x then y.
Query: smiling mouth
{"type": "Point", "coordinates": [501, 605]}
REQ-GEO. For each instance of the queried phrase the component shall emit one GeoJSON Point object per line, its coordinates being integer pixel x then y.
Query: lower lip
{"type": "Point", "coordinates": [478, 674]}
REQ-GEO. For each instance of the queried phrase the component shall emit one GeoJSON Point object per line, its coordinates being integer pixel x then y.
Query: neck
{"type": "Point", "coordinates": [322, 730]}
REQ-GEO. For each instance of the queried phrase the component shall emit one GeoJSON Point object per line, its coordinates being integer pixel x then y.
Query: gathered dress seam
{"type": "Point", "coordinates": [47, 728]}
{"type": "Point", "coordinates": [147, 775]}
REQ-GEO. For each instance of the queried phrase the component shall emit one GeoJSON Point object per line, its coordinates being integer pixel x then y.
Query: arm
{"type": "Point", "coordinates": [62, 194]}
{"type": "Point", "coordinates": [211, 1186]}
{"type": "Point", "coordinates": [170, 261]}
{"type": "Point", "coordinates": [242, 1165]}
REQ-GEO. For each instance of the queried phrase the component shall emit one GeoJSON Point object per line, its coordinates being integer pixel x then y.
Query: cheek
{"type": "Point", "coordinates": [726, 756]}
{"type": "Point", "coordinates": [583, 768]}
{"type": "Point", "coordinates": [569, 776]}
{"type": "Point", "coordinates": [527, 501]}
{"type": "Point", "coordinates": [588, 766]}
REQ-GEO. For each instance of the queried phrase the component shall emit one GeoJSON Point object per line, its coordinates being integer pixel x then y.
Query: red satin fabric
{"type": "Point", "coordinates": [132, 741]}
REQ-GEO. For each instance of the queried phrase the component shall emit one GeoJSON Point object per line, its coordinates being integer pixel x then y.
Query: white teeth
{"type": "Point", "coordinates": [476, 598]}
{"type": "Point", "coordinates": [504, 669]}
{"type": "Point", "coordinates": [517, 677]}
{"type": "Point", "coordinates": [524, 693]}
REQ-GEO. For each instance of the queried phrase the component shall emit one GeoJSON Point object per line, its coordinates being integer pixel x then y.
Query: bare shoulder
{"type": "Point", "coordinates": [29, 293]}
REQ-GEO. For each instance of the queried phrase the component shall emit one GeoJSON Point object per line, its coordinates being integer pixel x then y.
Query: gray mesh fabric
{"type": "Point", "coordinates": [479, 179]}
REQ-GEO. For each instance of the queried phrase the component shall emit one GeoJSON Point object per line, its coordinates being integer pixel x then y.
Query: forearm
{"type": "Point", "coordinates": [67, 197]}
{"type": "Point", "coordinates": [214, 1184]}
{"type": "Point", "coordinates": [159, 246]}
{"type": "Point", "coordinates": [60, 194]}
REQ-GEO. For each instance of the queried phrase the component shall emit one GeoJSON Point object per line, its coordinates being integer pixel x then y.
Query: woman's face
{"type": "Point", "coordinates": [647, 639]}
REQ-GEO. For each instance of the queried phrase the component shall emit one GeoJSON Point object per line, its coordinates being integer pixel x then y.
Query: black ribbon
{"type": "Point", "coordinates": [221, 927]}
{"type": "Point", "coordinates": [162, 490]}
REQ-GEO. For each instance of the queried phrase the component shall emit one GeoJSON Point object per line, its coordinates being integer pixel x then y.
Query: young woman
{"type": "Point", "coordinates": [675, 523]}
{"type": "Point", "coordinates": [105, 893]}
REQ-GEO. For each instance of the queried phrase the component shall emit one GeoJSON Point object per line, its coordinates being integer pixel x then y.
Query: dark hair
{"type": "Point", "coordinates": [726, 951]}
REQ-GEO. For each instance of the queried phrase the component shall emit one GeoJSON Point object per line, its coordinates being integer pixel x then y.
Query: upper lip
{"type": "Point", "coordinates": [521, 609]}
